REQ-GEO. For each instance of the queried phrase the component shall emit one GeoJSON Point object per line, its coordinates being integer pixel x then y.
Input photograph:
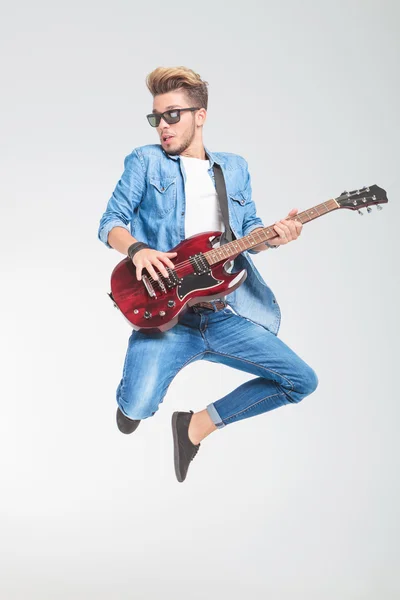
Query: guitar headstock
{"type": "Point", "coordinates": [363, 198]}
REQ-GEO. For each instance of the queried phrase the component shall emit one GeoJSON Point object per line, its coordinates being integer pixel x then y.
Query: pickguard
{"type": "Point", "coordinates": [191, 283]}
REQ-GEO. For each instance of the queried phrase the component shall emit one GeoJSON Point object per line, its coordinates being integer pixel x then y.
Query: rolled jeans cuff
{"type": "Point", "coordinates": [214, 416]}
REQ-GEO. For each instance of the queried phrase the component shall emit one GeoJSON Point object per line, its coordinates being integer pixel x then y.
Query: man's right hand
{"type": "Point", "coordinates": [149, 258]}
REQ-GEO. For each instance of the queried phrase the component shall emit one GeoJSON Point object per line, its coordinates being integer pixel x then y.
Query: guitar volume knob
{"type": "Point", "coordinates": [147, 315]}
{"type": "Point", "coordinates": [171, 303]}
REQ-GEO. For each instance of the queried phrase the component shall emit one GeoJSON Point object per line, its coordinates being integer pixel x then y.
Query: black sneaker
{"type": "Point", "coordinates": [124, 424]}
{"type": "Point", "coordinates": [184, 450]}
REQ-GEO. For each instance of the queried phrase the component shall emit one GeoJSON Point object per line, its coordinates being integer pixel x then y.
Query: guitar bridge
{"type": "Point", "coordinates": [148, 286]}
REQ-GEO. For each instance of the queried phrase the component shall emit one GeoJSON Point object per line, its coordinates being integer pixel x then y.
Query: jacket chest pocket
{"type": "Point", "coordinates": [239, 203]}
{"type": "Point", "coordinates": [239, 199]}
{"type": "Point", "coordinates": [163, 195]}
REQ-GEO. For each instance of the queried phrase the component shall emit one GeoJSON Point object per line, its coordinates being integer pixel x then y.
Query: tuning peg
{"type": "Point", "coordinates": [379, 207]}
{"type": "Point", "coordinates": [360, 212]}
{"type": "Point", "coordinates": [369, 209]}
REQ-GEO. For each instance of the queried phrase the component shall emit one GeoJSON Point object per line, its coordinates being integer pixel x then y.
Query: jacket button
{"type": "Point", "coordinates": [242, 202]}
{"type": "Point", "coordinates": [163, 189]}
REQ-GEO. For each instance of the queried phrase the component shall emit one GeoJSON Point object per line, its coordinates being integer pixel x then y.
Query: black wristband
{"type": "Point", "coordinates": [133, 248]}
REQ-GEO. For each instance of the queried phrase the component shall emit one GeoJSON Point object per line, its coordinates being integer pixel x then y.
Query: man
{"type": "Point", "coordinates": [167, 193]}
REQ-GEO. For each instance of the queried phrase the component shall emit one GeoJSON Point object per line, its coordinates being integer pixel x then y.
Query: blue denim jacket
{"type": "Point", "coordinates": [149, 201]}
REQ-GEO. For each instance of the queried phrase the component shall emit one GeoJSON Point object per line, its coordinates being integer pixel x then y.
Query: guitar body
{"type": "Point", "coordinates": [155, 307]}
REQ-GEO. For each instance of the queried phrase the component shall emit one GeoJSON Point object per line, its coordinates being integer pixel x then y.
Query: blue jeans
{"type": "Point", "coordinates": [153, 360]}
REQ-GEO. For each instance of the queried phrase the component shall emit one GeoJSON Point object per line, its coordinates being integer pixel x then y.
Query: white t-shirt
{"type": "Point", "coordinates": [203, 212]}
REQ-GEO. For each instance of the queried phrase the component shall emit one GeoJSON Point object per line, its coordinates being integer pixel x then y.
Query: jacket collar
{"type": "Point", "coordinates": [210, 155]}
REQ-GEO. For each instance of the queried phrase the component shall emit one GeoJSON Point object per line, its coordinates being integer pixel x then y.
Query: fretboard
{"type": "Point", "coordinates": [232, 249]}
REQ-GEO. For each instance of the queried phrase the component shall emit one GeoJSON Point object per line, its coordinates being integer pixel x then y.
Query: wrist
{"type": "Point", "coordinates": [136, 247]}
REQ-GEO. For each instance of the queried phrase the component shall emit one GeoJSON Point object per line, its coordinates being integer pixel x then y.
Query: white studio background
{"type": "Point", "coordinates": [302, 502]}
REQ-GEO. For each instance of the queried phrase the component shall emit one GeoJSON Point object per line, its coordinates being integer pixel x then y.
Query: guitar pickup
{"type": "Point", "coordinates": [161, 285]}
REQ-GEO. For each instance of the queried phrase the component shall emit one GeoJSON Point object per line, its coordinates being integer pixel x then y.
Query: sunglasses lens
{"type": "Point", "coordinates": [172, 116]}
{"type": "Point", "coordinates": [154, 120]}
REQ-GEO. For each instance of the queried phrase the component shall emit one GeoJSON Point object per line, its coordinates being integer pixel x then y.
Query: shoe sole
{"type": "Point", "coordinates": [176, 447]}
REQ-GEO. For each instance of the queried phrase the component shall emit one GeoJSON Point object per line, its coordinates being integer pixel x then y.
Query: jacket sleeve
{"type": "Point", "coordinates": [125, 198]}
{"type": "Point", "coordinates": [250, 220]}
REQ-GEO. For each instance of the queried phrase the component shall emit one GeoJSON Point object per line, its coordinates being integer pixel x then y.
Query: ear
{"type": "Point", "coordinates": [201, 116]}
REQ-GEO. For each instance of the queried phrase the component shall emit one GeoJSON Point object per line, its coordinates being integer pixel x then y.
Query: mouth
{"type": "Point", "coordinates": [167, 138]}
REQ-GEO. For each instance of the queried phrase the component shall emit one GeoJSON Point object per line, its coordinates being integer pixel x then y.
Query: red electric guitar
{"type": "Point", "coordinates": [199, 274]}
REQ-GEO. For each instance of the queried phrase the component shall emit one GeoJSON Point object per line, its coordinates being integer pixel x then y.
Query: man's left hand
{"type": "Point", "coordinates": [288, 230]}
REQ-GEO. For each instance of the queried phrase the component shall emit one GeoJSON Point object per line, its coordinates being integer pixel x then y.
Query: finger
{"type": "Point", "coordinates": [292, 228]}
{"type": "Point", "coordinates": [168, 262]}
{"type": "Point", "coordinates": [161, 267]}
{"type": "Point", "coordinates": [299, 227]}
{"type": "Point", "coordinates": [150, 270]}
{"type": "Point", "coordinates": [170, 253]}
{"type": "Point", "coordinates": [139, 273]}
{"type": "Point", "coordinates": [293, 212]}
{"type": "Point", "coordinates": [298, 223]}
{"type": "Point", "coordinates": [284, 231]}
{"type": "Point", "coordinates": [275, 241]}
{"type": "Point", "coordinates": [280, 238]}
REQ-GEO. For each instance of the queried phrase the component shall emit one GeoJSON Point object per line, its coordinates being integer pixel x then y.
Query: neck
{"type": "Point", "coordinates": [195, 150]}
{"type": "Point", "coordinates": [232, 249]}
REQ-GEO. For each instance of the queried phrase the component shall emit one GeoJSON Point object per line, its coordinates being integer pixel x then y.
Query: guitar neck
{"type": "Point", "coordinates": [232, 249]}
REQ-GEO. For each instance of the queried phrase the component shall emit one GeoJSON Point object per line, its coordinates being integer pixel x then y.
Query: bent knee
{"type": "Point", "coordinates": [134, 407]}
{"type": "Point", "coordinates": [137, 413]}
{"type": "Point", "coordinates": [310, 382]}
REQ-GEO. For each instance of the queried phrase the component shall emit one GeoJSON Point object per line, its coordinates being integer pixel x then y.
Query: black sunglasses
{"type": "Point", "coordinates": [169, 116]}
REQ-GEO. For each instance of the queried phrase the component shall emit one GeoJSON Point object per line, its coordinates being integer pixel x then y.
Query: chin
{"type": "Point", "coordinates": [173, 151]}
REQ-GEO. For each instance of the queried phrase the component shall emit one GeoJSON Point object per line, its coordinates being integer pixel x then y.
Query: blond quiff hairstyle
{"type": "Point", "coordinates": [168, 79]}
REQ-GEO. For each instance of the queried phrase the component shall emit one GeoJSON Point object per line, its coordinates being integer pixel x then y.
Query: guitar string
{"type": "Point", "coordinates": [187, 263]}
{"type": "Point", "coordinates": [324, 204]}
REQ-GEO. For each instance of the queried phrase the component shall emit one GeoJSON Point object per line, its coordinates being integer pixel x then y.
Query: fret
{"type": "Point", "coordinates": [235, 245]}
{"type": "Point", "coordinates": [306, 217]}
{"type": "Point", "coordinates": [323, 205]}
{"type": "Point", "coordinates": [317, 210]}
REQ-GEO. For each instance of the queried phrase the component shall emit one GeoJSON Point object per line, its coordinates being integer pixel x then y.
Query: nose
{"type": "Point", "coordinates": [163, 124]}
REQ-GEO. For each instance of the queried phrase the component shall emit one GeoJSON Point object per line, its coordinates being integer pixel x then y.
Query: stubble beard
{"type": "Point", "coordinates": [185, 143]}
